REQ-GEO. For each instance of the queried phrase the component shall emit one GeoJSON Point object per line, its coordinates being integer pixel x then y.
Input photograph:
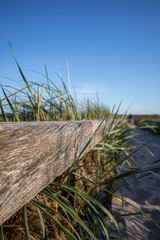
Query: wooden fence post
{"type": "Point", "coordinates": [33, 154]}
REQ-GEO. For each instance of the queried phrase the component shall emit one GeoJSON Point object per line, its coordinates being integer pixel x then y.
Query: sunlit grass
{"type": "Point", "coordinates": [76, 209]}
{"type": "Point", "coordinates": [153, 126]}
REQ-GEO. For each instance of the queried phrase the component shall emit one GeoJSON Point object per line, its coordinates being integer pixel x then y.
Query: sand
{"type": "Point", "coordinates": [145, 195]}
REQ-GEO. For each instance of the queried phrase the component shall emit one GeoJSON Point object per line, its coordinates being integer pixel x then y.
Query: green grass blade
{"type": "Point", "coordinates": [67, 232]}
{"type": "Point", "coordinates": [135, 214]}
{"type": "Point", "coordinates": [70, 211]}
{"type": "Point", "coordinates": [42, 223]}
{"type": "Point", "coordinates": [1, 233]}
{"type": "Point", "coordinates": [20, 70]}
{"type": "Point", "coordinates": [39, 204]}
{"type": "Point", "coordinates": [87, 198]}
{"type": "Point", "coordinates": [26, 223]}
{"type": "Point", "coordinates": [11, 107]}
{"type": "Point", "coordinates": [104, 229]}
{"type": "Point", "coordinates": [3, 114]}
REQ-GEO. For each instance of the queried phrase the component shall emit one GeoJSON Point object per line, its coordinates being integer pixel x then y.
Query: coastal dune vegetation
{"type": "Point", "coordinates": [76, 205]}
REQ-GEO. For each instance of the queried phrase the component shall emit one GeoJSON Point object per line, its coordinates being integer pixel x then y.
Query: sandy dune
{"type": "Point", "coordinates": [145, 196]}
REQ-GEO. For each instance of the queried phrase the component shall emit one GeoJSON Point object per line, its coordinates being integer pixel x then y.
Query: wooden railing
{"type": "Point", "coordinates": [33, 154]}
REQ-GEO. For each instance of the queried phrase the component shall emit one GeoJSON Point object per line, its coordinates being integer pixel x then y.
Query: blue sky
{"type": "Point", "coordinates": [112, 46]}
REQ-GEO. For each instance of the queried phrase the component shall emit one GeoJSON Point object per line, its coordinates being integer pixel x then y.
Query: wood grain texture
{"type": "Point", "coordinates": [33, 154]}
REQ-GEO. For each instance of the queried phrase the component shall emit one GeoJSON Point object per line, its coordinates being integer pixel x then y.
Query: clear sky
{"type": "Point", "coordinates": [112, 46]}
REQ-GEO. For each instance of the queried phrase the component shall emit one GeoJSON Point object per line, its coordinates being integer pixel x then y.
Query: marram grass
{"type": "Point", "coordinates": [69, 207]}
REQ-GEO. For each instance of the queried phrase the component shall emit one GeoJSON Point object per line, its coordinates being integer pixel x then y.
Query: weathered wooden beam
{"type": "Point", "coordinates": [33, 154]}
